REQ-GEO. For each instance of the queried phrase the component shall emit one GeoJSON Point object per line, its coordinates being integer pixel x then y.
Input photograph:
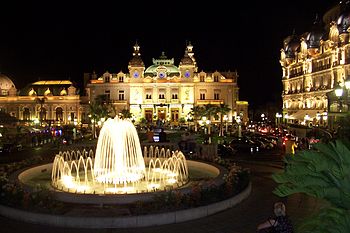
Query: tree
{"type": "Point", "coordinates": [196, 112]}
{"type": "Point", "coordinates": [41, 101]}
{"type": "Point", "coordinates": [322, 173]}
{"type": "Point", "coordinates": [222, 109]}
{"type": "Point", "coordinates": [125, 113]}
{"type": "Point", "coordinates": [209, 111]}
{"type": "Point", "coordinates": [98, 110]}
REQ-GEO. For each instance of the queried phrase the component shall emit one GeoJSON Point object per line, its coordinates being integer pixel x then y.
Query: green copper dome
{"type": "Point", "coordinates": [162, 64]}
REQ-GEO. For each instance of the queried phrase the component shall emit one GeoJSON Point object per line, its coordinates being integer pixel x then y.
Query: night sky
{"type": "Point", "coordinates": [62, 41]}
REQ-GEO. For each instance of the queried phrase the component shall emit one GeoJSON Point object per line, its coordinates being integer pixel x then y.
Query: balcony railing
{"type": "Point", "coordinates": [210, 101]}
{"type": "Point", "coordinates": [117, 101]}
{"type": "Point", "coordinates": [319, 68]}
{"type": "Point", "coordinates": [296, 74]}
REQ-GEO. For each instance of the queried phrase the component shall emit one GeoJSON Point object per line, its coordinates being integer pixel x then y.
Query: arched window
{"type": "Point", "coordinates": [59, 114]}
{"type": "Point", "coordinates": [26, 114]}
{"type": "Point", "coordinates": [43, 114]}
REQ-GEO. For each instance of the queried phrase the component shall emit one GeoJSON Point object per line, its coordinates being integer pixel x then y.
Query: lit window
{"type": "Point", "coordinates": [108, 95]}
{"type": "Point", "coordinates": [216, 96]}
{"type": "Point", "coordinates": [121, 95]}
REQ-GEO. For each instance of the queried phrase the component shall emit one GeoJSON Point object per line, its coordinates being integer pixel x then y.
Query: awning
{"type": "Point", "coordinates": [300, 114]}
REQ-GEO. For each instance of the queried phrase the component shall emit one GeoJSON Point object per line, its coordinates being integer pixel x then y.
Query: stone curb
{"type": "Point", "coordinates": [124, 222]}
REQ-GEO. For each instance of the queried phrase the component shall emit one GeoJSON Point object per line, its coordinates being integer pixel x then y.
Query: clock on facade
{"type": "Point", "coordinates": [161, 74]}
{"type": "Point", "coordinates": [187, 74]}
{"type": "Point", "coordinates": [136, 74]}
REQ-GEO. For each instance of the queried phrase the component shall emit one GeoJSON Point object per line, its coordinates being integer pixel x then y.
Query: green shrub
{"type": "Point", "coordinates": [323, 173]}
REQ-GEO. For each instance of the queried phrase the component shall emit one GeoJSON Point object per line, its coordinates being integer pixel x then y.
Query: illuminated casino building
{"type": "Point", "coordinates": [166, 91]}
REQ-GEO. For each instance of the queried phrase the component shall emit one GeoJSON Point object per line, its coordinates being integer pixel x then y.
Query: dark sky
{"type": "Point", "coordinates": [64, 40]}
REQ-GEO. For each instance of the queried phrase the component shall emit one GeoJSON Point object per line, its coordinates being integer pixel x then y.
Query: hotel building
{"type": "Point", "coordinates": [313, 65]}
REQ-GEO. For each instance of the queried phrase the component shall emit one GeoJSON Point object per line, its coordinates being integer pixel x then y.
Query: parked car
{"type": "Point", "coordinates": [10, 147]}
{"type": "Point", "coordinates": [225, 150]}
{"type": "Point", "coordinates": [244, 144]}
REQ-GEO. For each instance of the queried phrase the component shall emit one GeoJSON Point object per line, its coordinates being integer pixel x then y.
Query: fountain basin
{"type": "Point", "coordinates": [40, 176]}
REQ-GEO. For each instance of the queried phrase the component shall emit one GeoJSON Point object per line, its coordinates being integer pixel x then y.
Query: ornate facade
{"type": "Point", "coordinates": [48, 102]}
{"type": "Point", "coordinates": [165, 91]}
{"type": "Point", "coordinates": [313, 63]}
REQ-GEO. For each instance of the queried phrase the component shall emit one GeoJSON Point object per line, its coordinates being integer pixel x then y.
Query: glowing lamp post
{"type": "Point", "coordinates": [338, 90]}
{"type": "Point", "coordinates": [204, 120]}
{"type": "Point", "coordinates": [286, 117]}
{"type": "Point", "coordinates": [325, 117]}
{"type": "Point", "coordinates": [93, 128]}
{"type": "Point", "coordinates": [306, 119]}
{"type": "Point", "coordinates": [226, 125]}
{"type": "Point", "coordinates": [318, 118]}
{"type": "Point", "coordinates": [278, 116]}
{"type": "Point", "coordinates": [188, 118]}
{"type": "Point", "coordinates": [238, 120]}
{"type": "Point", "coordinates": [262, 116]}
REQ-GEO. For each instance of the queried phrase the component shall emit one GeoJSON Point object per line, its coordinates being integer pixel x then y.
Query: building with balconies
{"type": "Point", "coordinates": [313, 64]}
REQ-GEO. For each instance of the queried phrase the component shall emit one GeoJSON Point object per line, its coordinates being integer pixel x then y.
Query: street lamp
{"type": "Point", "coordinates": [306, 119]}
{"type": "Point", "coordinates": [226, 125]}
{"type": "Point", "coordinates": [262, 116]}
{"type": "Point", "coordinates": [325, 115]}
{"type": "Point", "coordinates": [338, 90]}
{"type": "Point", "coordinates": [318, 118]}
{"type": "Point", "coordinates": [278, 116]}
{"type": "Point", "coordinates": [286, 117]}
{"type": "Point", "coordinates": [188, 119]}
{"type": "Point", "coordinates": [93, 128]}
{"type": "Point", "coordinates": [238, 120]}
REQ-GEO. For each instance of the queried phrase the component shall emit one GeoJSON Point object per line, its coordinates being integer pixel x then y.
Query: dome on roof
{"type": "Point", "coordinates": [292, 46]}
{"type": "Point", "coordinates": [343, 21]}
{"type": "Point", "coordinates": [170, 70]}
{"type": "Point", "coordinates": [136, 61]}
{"type": "Point", "coordinates": [63, 92]}
{"type": "Point", "coordinates": [316, 34]}
{"type": "Point", "coordinates": [5, 82]}
{"type": "Point", "coordinates": [186, 60]}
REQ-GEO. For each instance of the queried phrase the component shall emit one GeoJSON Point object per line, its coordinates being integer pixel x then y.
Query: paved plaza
{"type": "Point", "coordinates": [242, 218]}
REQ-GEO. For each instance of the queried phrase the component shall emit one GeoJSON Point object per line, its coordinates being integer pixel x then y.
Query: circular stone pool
{"type": "Point", "coordinates": [40, 176]}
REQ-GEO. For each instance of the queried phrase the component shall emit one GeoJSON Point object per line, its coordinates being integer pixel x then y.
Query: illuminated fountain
{"type": "Point", "coordinates": [118, 166]}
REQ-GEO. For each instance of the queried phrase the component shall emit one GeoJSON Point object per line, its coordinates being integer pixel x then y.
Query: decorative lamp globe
{"type": "Point", "coordinates": [338, 90]}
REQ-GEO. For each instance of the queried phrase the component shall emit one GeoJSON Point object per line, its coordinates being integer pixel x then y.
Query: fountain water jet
{"type": "Point", "coordinates": [118, 157]}
{"type": "Point", "coordinates": [118, 166]}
